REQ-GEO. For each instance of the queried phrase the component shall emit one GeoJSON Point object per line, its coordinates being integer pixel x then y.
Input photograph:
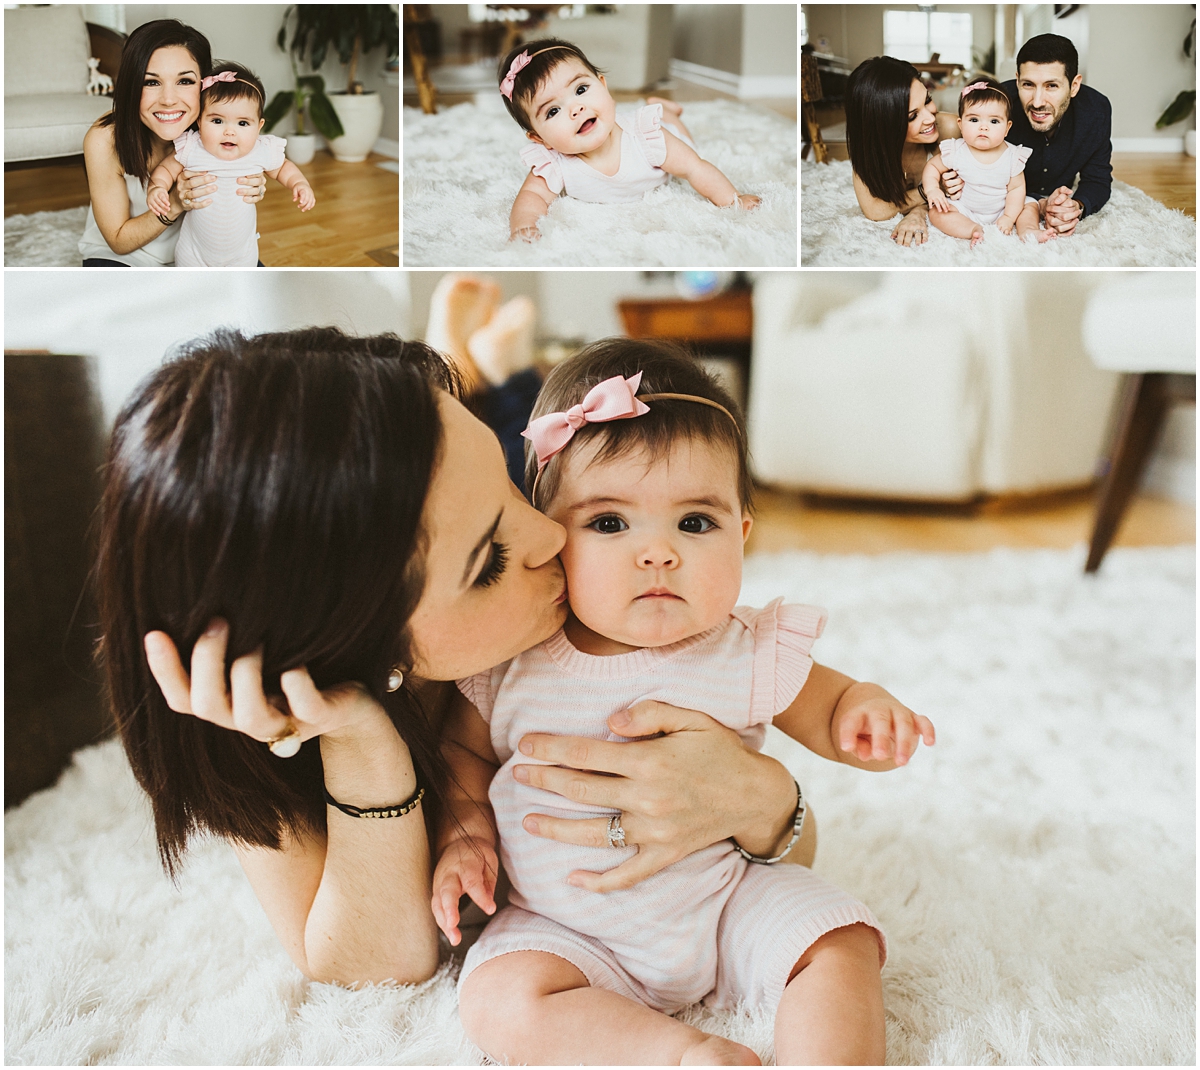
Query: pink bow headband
{"type": "Point", "coordinates": [973, 86]}
{"type": "Point", "coordinates": [225, 76]}
{"type": "Point", "coordinates": [518, 64]}
{"type": "Point", "coordinates": [614, 399]}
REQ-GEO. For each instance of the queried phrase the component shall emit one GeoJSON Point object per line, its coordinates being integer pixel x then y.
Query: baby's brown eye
{"type": "Point", "coordinates": [608, 525]}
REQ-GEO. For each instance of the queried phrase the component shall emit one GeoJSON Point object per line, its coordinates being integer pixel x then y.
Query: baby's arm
{"type": "Point", "coordinates": [162, 178]}
{"type": "Point", "coordinates": [684, 161]}
{"type": "Point", "coordinates": [467, 837]}
{"type": "Point", "coordinates": [856, 723]}
{"type": "Point", "coordinates": [1014, 201]}
{"type": "Point", "coordinates": [533, 201]}
{"type": "Point", "coordinates": [931, 182]}
{"type": "Point", "coordinates": [291, 177]}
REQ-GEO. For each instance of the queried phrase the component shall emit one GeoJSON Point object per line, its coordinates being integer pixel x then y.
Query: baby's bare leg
{"type": "Point", "coordinates": [832, 1008]}
{"type": "Point", "coordinates": [536, 1008]}
{"type": "Point", "coordinates": [957, 225]}
{"type": "Point", "coordinates": [671, 114]}
{"type": "Point", "coordinates": [1027, 224]}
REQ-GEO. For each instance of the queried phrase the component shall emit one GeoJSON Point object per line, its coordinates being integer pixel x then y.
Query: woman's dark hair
{"type": "Point", "coordinates": [877, 102]}
{"type": "Point", "coordinates": [1050, 48]}
{"type": "Point", "coordinates": [133, 140]}
{"type": "Point", "coordinates": [276, 481]}
{"type": "Point", "coordinates": [989, 91]}
{"type": "Point", "coordinates": [245, 86]}
{"type": "Point", "coordinates": [530, 78]}
{"type": "Point", "coordinates": [666, 369]}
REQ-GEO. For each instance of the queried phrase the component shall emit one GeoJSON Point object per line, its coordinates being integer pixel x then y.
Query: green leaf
{"type": "Point", "coordinates": [312, 82]}
{"type": "Point", "coordinates": [324, 117]}
{"type": "Point", "coordinates": [280, 105]}
{"type": "Point", "coordinates": [1180, 108]}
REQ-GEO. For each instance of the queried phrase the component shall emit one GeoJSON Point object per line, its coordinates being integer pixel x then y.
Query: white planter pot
{"type": "Point", "coordinates": [1189, 142]}
{"type": "Point", "coordinates": [361, 116]}
{"type": "Point", "coordinates": [300, 147]}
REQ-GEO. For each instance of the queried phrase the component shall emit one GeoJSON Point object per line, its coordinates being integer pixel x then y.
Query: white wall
{"type": "Point", "coordinates": [855, 31]}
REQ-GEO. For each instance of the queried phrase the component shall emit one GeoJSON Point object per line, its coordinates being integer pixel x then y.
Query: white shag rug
{"type": "Point", "coordinates": [1034, 871]}
{"type": "Point", "coordinates": [462, 170]}
{"type": "Point", "coordinates": [1131, 230]}
{"type": "Point", "coordinates": [44, 239]}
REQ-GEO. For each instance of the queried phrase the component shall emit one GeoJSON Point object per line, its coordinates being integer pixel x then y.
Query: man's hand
{"type": "Point", "coordinates": [1060, 211]}
{"type": "Point", "coordinates": [952, 184]}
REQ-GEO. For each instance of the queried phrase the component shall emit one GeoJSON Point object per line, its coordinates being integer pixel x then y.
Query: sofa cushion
{"type": "Point", "coordinates": [45, 50]}
{"type": "Point", "coordinates": [52, 124]}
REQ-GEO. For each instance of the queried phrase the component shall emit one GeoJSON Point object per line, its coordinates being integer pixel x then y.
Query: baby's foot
{"type": "Point", "coordinates": [460, 305]}
{"type": "Point", "coordinates": [504, 345]}
{"type": "Point", "coordinates": [976, 236]}
{"type": "Point", "coordinates": [1042, 235]}
{"type": "Point", "coordinates": [717, 1051]}
{"type": "Point", "coordinates": [671, 110]}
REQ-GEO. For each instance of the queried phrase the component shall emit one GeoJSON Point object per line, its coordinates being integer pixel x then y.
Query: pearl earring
{"type": "Point", "coordinates": [395, 679]}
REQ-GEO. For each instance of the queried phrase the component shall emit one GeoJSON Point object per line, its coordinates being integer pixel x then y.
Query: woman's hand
{"type": "Point", "coordinates": [193, 189]}
{"type": "Point", "coordinates": [253, 188]}
{"type": "Point", "coordinates": [243, 707]}
{"type": "Point", "coordinates": [694, 784]}
{"type": "Point", "coordinates": [913, 229]}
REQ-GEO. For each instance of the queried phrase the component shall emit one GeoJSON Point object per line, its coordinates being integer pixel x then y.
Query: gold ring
{"type": "Point", "coordinates": [287, 743]}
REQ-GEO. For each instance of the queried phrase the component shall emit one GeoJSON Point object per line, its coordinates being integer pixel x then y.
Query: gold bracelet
{"type": "Point", "coordinates": [399, 810]}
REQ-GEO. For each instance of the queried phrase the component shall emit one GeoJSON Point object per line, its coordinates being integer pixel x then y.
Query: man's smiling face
{"type": "Point", "coordinates": [1045, 93]}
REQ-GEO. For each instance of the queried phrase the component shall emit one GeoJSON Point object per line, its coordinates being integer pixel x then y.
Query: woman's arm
{"type": "Point", "coordinates": [705, 179]}
{"type": "Point", "coordinates": [879, 210]}
{"type": "Point", "coordinates": [352, 906]}
{"type": "Point", "coordinates": [533, 201]}
{"type": "Point", "coordinates": [110, 198]}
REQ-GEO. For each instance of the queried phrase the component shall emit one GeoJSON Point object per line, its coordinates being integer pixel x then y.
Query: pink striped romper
{"type": "Point", "coordinates": [712, 926]}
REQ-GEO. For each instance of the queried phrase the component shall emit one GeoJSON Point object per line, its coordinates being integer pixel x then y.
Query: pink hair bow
{"type": "Point", "coordinates": [613, 399]}
{"type": "Point", "coordinates": [212, 79]}
{"type": "Point", "coordinates": [973, 86]}
{"type": "Point", "coordinates": [519, 63]}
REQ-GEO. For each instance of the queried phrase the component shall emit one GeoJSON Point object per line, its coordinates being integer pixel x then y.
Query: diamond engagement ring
{"type": "Point", "coordinates": [286, 744]}
{"type": "Point", "coordinates": [616, 834]}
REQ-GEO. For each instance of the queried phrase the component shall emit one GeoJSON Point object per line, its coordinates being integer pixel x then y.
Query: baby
{"type": "Point", "coordinates": [227, 145]}
{"type": "Point", "coordinates": [642, 457]}
{"type": "Point", "coordinates": [991, 170]}
{"type": "Point", "coordinates": [560, 99]}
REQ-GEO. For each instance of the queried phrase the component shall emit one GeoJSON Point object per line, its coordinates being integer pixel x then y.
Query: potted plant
{"type": "Point", "coordinates": [351, 31]}
{"type": "Point", "coordinates": [310, 93]}
{"type": "Point", "coordinates": [1181, 107]}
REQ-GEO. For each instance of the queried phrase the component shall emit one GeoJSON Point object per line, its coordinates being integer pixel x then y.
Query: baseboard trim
{"type": "Point", "coordinates": [1147, 144]}
{"type": "Point", "coordinates": [1171, 477]}
{"type": "Point", "coordinates": [385, 146]}
{"type": "Point", "coordinates": [744, 87]}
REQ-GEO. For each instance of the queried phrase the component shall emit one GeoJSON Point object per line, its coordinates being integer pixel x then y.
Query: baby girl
{"type": "Point", "coordinates": [641, 456]}
{"type": "Point", "coordinates": [991, 169]}
{"type": "Point", "coordinates": [227, 146]}
{"type": "Point", "coordinates": [561, 101]}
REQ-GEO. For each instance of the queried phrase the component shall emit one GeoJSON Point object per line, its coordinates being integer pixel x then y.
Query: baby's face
{"type": "Point", "coordinates": [572, 110]}
{"type": "Point", "coordinates": [984, 125]}
{"type": "Point", "coordinates": [653, 551]}
{"type": "Point", "coordinates": [229, 128]}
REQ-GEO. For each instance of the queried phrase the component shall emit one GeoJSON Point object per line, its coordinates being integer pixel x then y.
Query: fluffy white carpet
{"type": "Point", "coordinates": [1035, 871]}
{"type": "Point", "coordinates": [44, 239]}
{"type": "Point", "coordinates": [1132, 230]}
{"type": "Point", "coordinates": [462, 169]}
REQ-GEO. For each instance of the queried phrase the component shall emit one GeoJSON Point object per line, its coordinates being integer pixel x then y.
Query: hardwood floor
{"type": "Point", "coordinates": [356, 222]}
{"type": "Point", "coordinates": [788, 521]}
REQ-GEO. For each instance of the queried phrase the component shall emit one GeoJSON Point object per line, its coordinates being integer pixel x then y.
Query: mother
{"type": "Point", "coordinates": [156, 98]}
{"type": "Point", "coordinates": [892, 128]}
{"type": "Point", "coordinates": [305, 509]}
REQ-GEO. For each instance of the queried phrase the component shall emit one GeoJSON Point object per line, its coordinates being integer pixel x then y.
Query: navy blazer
{"type": "Point", "coordinates": [1081, 144]}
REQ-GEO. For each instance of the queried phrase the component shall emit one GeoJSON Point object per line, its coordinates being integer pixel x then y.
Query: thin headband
{"type": "Point", "coordinates": [518, 64]}
{"type": "Point", "coordinates": [226, 76]}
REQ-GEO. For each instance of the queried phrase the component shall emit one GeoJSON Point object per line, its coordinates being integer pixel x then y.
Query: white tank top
{"type": "Point", "coordinates": [158, 253]}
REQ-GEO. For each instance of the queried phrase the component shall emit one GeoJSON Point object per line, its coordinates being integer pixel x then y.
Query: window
{"type": "Point", "coordinates": [916, 35]}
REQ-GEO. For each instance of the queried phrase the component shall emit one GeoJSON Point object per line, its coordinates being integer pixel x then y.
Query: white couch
{"type": "Point", "coordinates": [46, 107]}
{"type": "Point", "coordinates": [925, 385]}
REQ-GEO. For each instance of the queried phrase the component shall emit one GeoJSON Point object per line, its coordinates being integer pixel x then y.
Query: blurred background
{"type": "Point", "coordinates": [881, 417]}
{"type": "Point", "coordinates": [681, 51]}
{"type": "Point", "coordinates": [1140, 56]}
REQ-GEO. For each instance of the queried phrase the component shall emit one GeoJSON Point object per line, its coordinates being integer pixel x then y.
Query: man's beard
{"type": "Point", "coordinates": [1055, 119]}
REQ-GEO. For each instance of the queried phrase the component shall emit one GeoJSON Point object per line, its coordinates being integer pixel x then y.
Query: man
{"type": "Point", "coordinates": [1069, 127]}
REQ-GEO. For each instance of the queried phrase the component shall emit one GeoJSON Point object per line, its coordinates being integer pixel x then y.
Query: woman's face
{"type": "Point", "coordinates": [493, 582]}
{"type": "Point", "coordinates": [922, 115]}
{"type": "Point", "coordinates": [170, 92]}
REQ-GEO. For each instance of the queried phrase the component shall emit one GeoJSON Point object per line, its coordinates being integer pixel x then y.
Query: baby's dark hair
{"type": "Point", "coordinates": [666, 369]}
{"type": "Point", "coordinates": [529, 79]}
{"type": "Point", "coordinates": [246, 84]}
{"type": "Point", "coordinates": [989, 91]}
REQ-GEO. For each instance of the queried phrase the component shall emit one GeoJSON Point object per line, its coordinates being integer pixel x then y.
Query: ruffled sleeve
{"type": "Point", "coordinates": [949, 150]}
{"type": "Point", "coordinates": [544, 164]}
{"type": "Point", "coordinates": [184, 144]}
{"type": "Point", "coordinates": [272, 151]}
{"type": "Point", "coordinates": [783, 639]}
{"type": "Point", "coordinates": [1020, 156]}
{"type": "Point", "coordinates": [648, 131]}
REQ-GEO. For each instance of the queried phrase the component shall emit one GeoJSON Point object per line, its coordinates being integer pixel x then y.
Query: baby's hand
{"type": "Point", "coordinates": [302, 194]}
{"type": "Point", "coordinates": [1005, 224]}
{"type": "Point", "coordinates": [748, 201]}
{"type": "Point", "coordinates": [468, 866]}
{"type": "Point", "coordinates": [528, 234]}
{"type": "Point", "coordinates": [158, 200]}
{"type": "Point", "coordinates": [880, 728]}
{"type": "Point", "coordinates": [937, 199]}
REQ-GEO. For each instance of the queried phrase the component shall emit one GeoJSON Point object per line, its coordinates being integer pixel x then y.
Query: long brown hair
{"type": "Point", "coordinates": [132, 139]}
{"type": "Point", "coordinates": [877, 95]}
{"type": "Point", "coordinates": [276, 481]}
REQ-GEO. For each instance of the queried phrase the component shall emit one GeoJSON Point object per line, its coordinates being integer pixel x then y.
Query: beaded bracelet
{"type": "Point", "coordinates": [797, 827]}
{"type": "Point", "coordinates": [399, 810]}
